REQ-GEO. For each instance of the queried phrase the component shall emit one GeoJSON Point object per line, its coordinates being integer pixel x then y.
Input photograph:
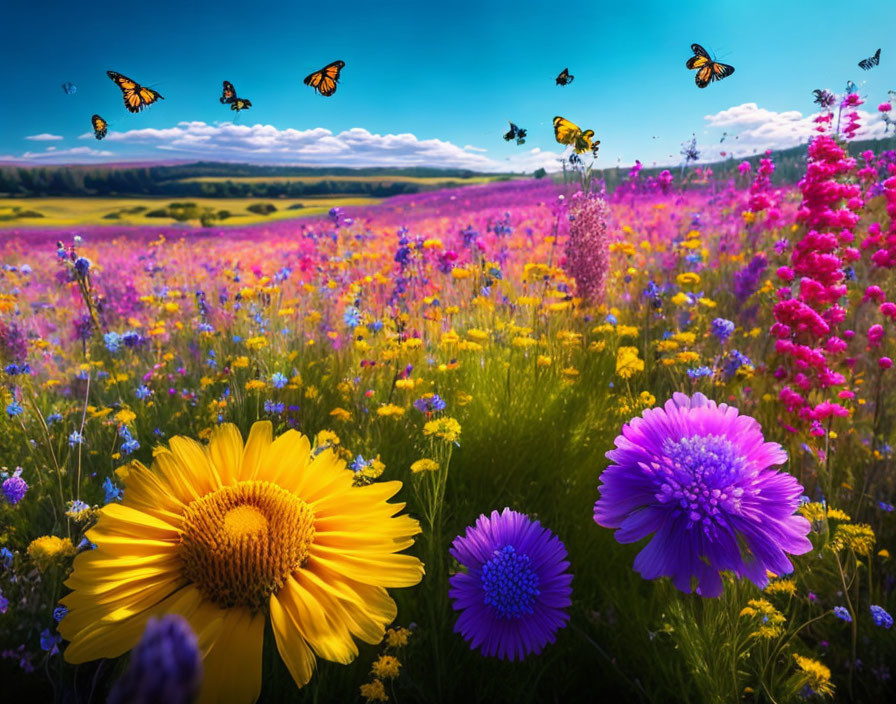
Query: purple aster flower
{"type": "Point", "coordinates": [515, 591]}
{"type": "Point", "coordinates": [699, 477]}
{"type": "Point", "coordinates": [14, 487]}
{"type": "Point", "coordinates": [881, 617]}
{"type": "Point", "coordinates": [431, 403]}
{"type": "Point", "coordinates": [841, 613]}
{"type": "Point", "coordinates": [722, 329]}
{"type": "Point", "coordinates": [4, 603]}
{"type": "Point", "coordinates": [165, 666]}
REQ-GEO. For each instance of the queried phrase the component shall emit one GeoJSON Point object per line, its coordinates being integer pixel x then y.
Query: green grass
{"type": "Point", "coordinates": [61, 212]}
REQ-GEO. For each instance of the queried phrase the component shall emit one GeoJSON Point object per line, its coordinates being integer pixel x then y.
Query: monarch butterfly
{"type": "Point", "coordinates": [565, 132]}
{"type": "Point", "coordinates": [229, 94]}
{"type": "Point", "coordinates": [517, 133]}
{"type": "Point", "coordinates": [707, 69]}
{"type": "Point", "coordinates": [870, 62]}
{"type": "Point", "coordinates": [100, 126]}
{"type": "Point", "coordinates": [325, 80]}
{"type": "Point", "coordinates": [136, 97]}
{"type": "Point", "coordinates": [240, 104]}
{"type": "Point", "coordinates": [565, 78]}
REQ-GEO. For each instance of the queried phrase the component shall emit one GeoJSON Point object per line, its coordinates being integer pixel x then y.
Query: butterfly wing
{"type": "Point", "coordinates": [565, 132]}
{"type": "Point", "coordinates": [325, 80]}
{"type": "Point", "coordinates": [584, 141]}
{"type": "Point", "coordinates": [229, 93]}
{"type": "Point", "coordinates": [594, 148]}
{"type": "Point", "coordinates": [720, 71]}
{"type": "Point", "coordinates": [704, 75]}
{"type": "Point", "coordinates": [700, 57]}
{"type": "Point", "coordinates": [136, 97]}
{"type": "Point", "coordinates": [511, 133]}
{"type": "Point", "coordinates": [240, 104]}
{"type": "Point", "coordinates": [564, 78]}
{"type": "Point", "coordinates": [100, 126]}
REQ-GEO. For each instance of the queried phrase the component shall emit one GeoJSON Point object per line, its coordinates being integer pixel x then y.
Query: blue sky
{"type": "Point", "coordinates": [417, 72]}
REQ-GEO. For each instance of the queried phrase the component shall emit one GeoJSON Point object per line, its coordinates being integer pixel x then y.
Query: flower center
{"type": "Point", "coordinates": [702, 474]}
{"type": "Point", "coordinates": [510, 583]}
{"type": "Point", "coordinates": [240, 543]}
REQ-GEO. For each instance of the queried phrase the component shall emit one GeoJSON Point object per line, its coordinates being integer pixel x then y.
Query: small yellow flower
{"type": "Point", "coordinates": [543, 361]}
{"type": "Point", "coordinates": [374, 692]}
{"type": "Point", "coordinates": [405, 384]}
{"type": "Point", "coordinates": [386, 667]}
{"type": "Point", "coordinates": [446, 428]}
{"type": "Point", "coordinates": [570, 373]}
{"type": "Point", "coordinates": [769, 618]}
{"type": "Point", "coordinates": [397, 637]}
{"type": "Point", "coordinates": [255, 385]}
{"type": "Point", "coordinates": [390, 410]}
{"type": "Point", "coordinates": [628, 362]}
{"type": "Point", "coordinates": [49, 550]}
{"type": "Point", "coordinates": [463, 398]}
{"type": "Point", "coordinates": [256, 343]}
{"type": "Point", "coordinates": [816, 675]}
{"type": "Point", "coordinates": [477, 335]}
{"type": "Point", "coordinates": [857, 537]}
{"type": "Point", "coordinates": [341, 414]}
{"type": "Point", "coordinates": [241, 363]}
{"type": "Point", "coordinates": [459, 273]}
{"type": "Point", "coordinates": [688, 278]}
{"type": "Point", "coordinates": [125, 416]}
{"type": "Point", "coordinates": [647, 399]}
{"type": "Point", "coordinates": [781, 586]}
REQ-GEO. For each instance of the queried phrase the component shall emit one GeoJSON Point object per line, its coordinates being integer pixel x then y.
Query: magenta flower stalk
{"type": "Point", "coordinates": [588, 246]}
{"type": "Point", "coordinates": [699, 478]}
{"type": "Point", "coordinates": [515, 592]}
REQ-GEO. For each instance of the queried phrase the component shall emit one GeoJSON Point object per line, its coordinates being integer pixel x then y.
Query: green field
{"type": "Point", "coordinates": [56, 212]}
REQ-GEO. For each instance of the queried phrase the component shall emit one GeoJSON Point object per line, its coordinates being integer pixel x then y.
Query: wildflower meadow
{"type": "Point", "coordinates": [529, 441]}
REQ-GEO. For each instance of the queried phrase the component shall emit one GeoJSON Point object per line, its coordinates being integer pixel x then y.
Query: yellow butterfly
{"type": "Point", "coordinates": [567, 132]}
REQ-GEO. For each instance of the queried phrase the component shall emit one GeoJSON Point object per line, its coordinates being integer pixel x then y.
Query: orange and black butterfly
{"type": "Point", "coordinates": [325, 80]}
{"type": "Point", "coordinates": [240, 104]}
{"type": "Point", "coordinates": [136, 97]}
{"type": "Point", "coordinates": [100, 126]}
{"type": "Point", "coordinates": [707, 69]}
{"type": "Point", "coordinates": [565, 78]}
{"type": "Point", "coordinates": [229, 94]}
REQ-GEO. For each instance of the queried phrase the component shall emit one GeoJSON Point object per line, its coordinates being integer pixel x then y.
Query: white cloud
{"type": "Point", "coordinates": [44, 137]}
{"type": "Point", "coordinates": [751, 129]}
{"type": "Point", "coordinates": [319, 146]}
{"type": "Point", "coordinates": [73, 154]}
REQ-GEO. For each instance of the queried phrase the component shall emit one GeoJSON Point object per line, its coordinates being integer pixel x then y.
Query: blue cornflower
{"type": "Point", "coordinates": [113, 493]}
{"type": "Point", "coordinates": [275, 407]}
{"type": "Point", "coordinates": [842, 613]}
{"type": "Point", "coordinates": [360, 464]}
{"type": "Point", "coordinates": [279, 380]}
{"type": "Point", "coordinates": [884, 506]}
{"type": "Point", "coordinates": [699, 372]}
{"type": "Point", "coordinates": [376, 326]}
{"type": "Point", "coordinates": [112, 341]}
{"type": "Point", "coordinates": [881, 617]}
{"type": "Point", "coordinates": [736, 360]}
{"type": "Point", "coordinates": [49, 642]}
{"type": "Point", "coordinates": [82, 265]}
{"type": "Point", "coordinates": [14, 409]}
{"type": "Point", "coordinates": [142, 392]}
{"type": "Point", "coordinates": [432, 403]}
{"type": "Point", "coordinates": [59, 613]}
{"type": "Point", "coordinates": [6, 557]}
{"type": "Point", "coordinates": [130, 444]}
{"type": "Point", "coordinates": [611, 319]}
{"type": "Point", "coordinates": [722, 329]}
{"type": "Point", "coordinates": [75, 438]}
{"type": "Point", "coordinates": [54, 418]}
{"type": "Point", "coordinates": [351, 317]}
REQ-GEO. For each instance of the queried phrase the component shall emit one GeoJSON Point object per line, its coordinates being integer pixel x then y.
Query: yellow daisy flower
{"type": "Point", "coordinates": [228, 536]}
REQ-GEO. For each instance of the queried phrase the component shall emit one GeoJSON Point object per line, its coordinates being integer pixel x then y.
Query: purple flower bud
{"type": "Point", "coordinates": [165, 666]}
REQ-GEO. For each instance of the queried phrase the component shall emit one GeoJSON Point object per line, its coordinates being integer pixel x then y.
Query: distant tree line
{"type": "Point", "coordinates": [27, 181]}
